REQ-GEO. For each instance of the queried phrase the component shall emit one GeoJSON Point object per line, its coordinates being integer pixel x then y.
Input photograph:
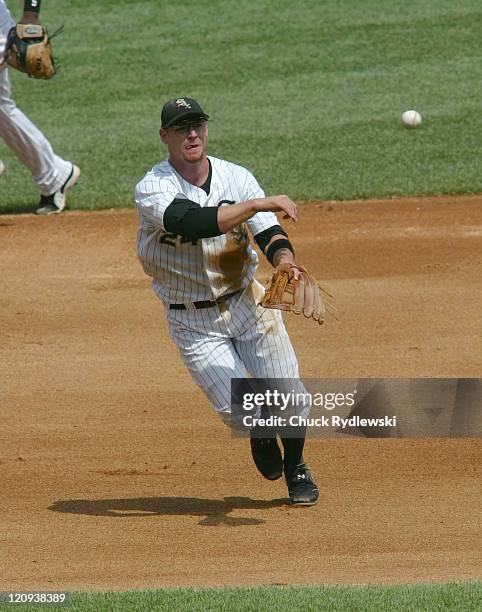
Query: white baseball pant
{"type": "Point", "coordinates": [235, 341]}
{"type": "Point", "coordinates": [28, 143]}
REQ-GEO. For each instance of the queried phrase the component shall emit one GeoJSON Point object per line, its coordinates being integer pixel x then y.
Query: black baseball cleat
{"type": "Point", "coordinates": [267, 456]}
{"type": "Point", "coordinates": [56, 202]}
{"type": "Point", "coordinates": [302, 488]}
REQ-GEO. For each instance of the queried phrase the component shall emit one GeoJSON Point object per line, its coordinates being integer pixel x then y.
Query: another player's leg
{"type": "Point", "coordinates": [56, 201]}
{"type": "Point", "coordinates": [53, 175]}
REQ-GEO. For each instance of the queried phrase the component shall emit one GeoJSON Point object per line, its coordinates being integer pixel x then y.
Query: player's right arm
{"type": "Point", "coordinates": [186, 218]}
{"type": "Point", "coordinates": [190, 220]}
{"type": "Point", "coordinates": [160, 203]}
{"type": "Point", "coordinates": [231, 216]}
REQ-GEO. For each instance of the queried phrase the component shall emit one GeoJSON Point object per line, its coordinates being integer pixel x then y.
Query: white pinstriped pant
{"type": "Point", "coordinates": [245, 339]}
{"type": "Point", "coordinates": [28, 143]}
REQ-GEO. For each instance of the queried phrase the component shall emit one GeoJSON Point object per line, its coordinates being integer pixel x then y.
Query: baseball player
{"type": "Point", "coordinates": [53, 175]}
{"type": "Point", "coordinates": [195, 212]}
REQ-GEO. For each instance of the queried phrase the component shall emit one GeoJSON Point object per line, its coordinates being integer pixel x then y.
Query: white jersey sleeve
{"type": "Point", "coordinates": [6, 22]}
{"type": "Point", "coordinates": [262, 220]}
{"type": "Point", "coordinates": [154, 194]}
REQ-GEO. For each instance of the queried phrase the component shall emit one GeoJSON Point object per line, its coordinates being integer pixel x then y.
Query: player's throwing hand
{"type": "Point", "coordinates": [279, 203]}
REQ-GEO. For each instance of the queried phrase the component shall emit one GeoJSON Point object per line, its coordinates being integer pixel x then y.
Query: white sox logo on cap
{"type": "Point", "coordinates": [182, 103]}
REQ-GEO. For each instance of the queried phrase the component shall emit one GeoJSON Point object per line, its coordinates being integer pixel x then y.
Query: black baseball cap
{"type": "Point", "coordinates": [179, 110]}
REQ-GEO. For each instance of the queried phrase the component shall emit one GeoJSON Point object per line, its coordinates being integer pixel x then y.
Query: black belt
{"type": "Point", "coordinates": [205, 303]}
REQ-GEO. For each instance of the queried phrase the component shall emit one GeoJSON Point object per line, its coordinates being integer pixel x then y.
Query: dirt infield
{"type": "Point", "coordinates": [117, 475]}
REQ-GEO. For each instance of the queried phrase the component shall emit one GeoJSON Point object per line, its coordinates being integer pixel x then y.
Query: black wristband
{"type": "Point", "coordinates": [31, 6]}
{"type": "Point", "coordinates": [262, 239]}
{"type": "Point", "coordinates": [281, 243]}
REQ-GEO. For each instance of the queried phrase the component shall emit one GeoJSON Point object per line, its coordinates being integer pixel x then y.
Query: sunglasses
{"type": "Point", "coordinates": [186, 128]}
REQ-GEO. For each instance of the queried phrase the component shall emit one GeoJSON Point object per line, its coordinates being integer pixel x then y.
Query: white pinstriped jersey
{"type": "Point", "coordinates": [205, 269]}
{"type": "Point", "coordinates": [6, 22]}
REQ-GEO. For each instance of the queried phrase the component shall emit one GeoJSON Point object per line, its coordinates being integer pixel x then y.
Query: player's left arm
{"type": "Point", "coordinates": [277, 248]}
{"type": "Point", "coordinates": [31, 10]}
{"type": "Point", "coordinates": [280, 251]}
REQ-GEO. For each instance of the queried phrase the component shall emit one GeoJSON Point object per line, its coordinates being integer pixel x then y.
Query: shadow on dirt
{"type": "Point", "coordinates": [215, 511]}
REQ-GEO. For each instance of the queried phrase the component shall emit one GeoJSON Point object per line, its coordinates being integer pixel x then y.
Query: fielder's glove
{"type": "Point", "coordinates": [28, 49]}
{"type": "Point", "coordinates": [302, 295]}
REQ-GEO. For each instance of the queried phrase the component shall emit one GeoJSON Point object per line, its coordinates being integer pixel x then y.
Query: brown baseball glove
{"type": "Point", "coordinates": [302, 295]}
{"type": "Point", "coordinates": [29, 50]}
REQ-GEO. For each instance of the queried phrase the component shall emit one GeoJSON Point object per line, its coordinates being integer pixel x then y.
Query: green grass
{"type": "Point", "coordinates": [416, 598]}
{"type": "Point", "coordinates": [308, 95]}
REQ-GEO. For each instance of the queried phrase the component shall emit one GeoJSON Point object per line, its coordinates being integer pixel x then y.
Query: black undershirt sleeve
{"type": "Point", "coordinates": [186, 218]}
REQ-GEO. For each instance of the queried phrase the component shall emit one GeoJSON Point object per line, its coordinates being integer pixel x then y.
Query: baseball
{"type": "Point", "coordinates": [411, 119]}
